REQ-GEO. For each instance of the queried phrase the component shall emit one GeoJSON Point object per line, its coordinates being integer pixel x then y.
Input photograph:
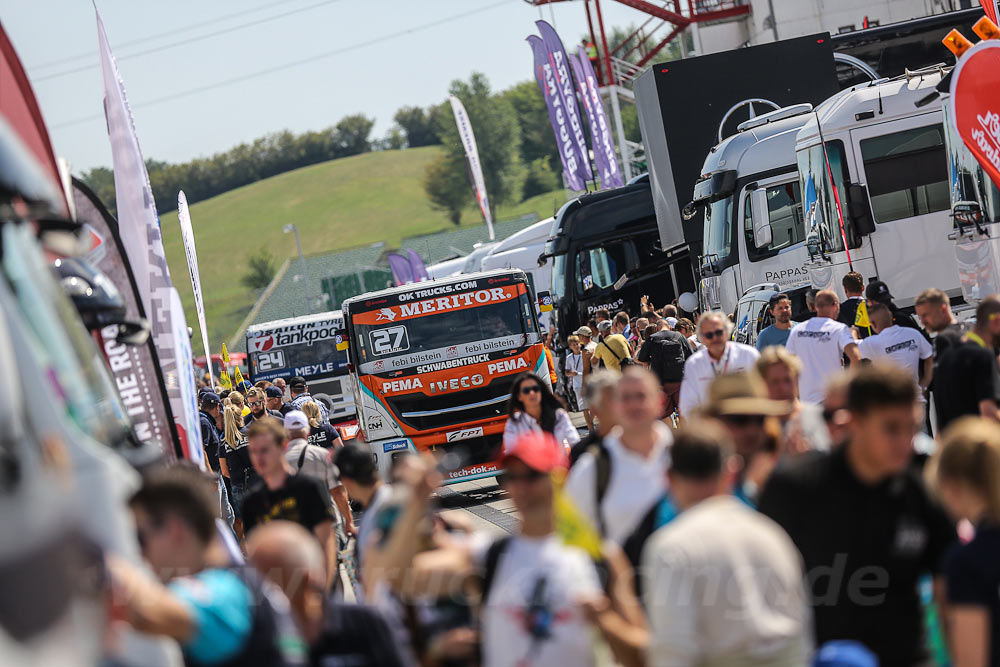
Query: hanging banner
{"type": "Point", "coordinates": [991, 9]}
{"type": "Point", "coordinates": [139, 230]}
{"type": "Point", "coordinates": [472, 160]}
{"type": "Point", "coordinates": [557, 117]}
{"type": "Point", "coordinates": [562, 76]}
{"type": "Point", "coordinates": [224, 380]}
{"type": "Point", "coordinates": [187, 238]}
{"type": "Point", "coordinates": [600, 131]}
{"type": "Point", "coordinates": [417, 266]}
{"type": "Point", "coordinates": [975, 104]}
{"type": "Point", "coordinates": [402, 271]}
{"type": "Point", "coordinates": [135, 368]}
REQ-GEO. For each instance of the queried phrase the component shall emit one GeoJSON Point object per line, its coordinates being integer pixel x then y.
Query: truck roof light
{"type": "Point", "coordinates": [778, 114]}
{"type": "Point", "coordinates": [956, 43]}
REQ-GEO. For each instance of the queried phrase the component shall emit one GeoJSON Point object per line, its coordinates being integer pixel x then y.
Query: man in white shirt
{"type": "Point", "coordinates": [820, 343]}
{"type": "Point", "coordinates": [723, 583]}
{"type": "Point", "coordinates": [718, 357]}
{"type": "Point", "coordinates": [615, 483]}
{"type": "Point", "coordinates": [903, 346]}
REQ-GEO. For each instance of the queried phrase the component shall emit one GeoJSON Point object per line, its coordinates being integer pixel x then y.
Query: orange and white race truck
{"type": "Point", "coordinates": [433, 363]}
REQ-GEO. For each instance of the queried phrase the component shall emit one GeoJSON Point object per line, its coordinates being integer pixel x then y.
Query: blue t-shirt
{"type": "Point", "coordinates": [220, 604]}
{"type": "Point", "coordinates": [772, 335]}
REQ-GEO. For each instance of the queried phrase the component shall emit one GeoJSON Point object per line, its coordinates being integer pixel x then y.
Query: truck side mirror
{"type": "Point", "coordinates": [860, 208]}
{"type": "Point", "coordinates": [761, 220]}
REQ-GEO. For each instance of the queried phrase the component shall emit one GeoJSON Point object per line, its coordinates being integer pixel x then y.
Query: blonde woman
{"type": "Point", "coordinates": [236, 398]}
{"type": "Point", "coordinates": [241, 472]}
{"type": "Point", "coordinates": [321, 434]}
{"type": "Point", "coordinates": [966, 475]}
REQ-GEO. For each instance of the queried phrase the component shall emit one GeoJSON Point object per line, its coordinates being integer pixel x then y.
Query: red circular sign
{"type": "Point", "coordinates": [975, 104]}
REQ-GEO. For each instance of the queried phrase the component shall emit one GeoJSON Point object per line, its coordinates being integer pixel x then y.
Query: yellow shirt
{"type": "Point", "coordinates": [612, 345]}
{"type": "Point", "coordinates": [246, 411]}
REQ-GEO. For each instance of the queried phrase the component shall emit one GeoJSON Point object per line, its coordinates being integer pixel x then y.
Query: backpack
{"type": "Point", "coordinates": [667, 354]}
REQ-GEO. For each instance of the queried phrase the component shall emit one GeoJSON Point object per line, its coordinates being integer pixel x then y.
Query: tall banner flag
{"type": "Point", "coordinates": [417, 265]}
{"type": "Point", "coordinates": [402, 270]}
{"type": "Point", "coordinates": [992, 10]}
{"type": "Point", "coordinates": [545, 77]}
{"type": "Point", "coordinates": [600, 131]}
{"type": "Point", "coordinates": [562, 76]}
{"type": "Point", "coordinates": [139, 229]}
{"type": "Point", "coordinates": [136, 368]}
{"type": "Point", "coordinates": [187, 238]}
{"type": "Point", "coordinates": [472, 160]}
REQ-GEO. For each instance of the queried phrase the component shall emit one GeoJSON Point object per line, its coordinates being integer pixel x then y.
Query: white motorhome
{"type": "Point", "coordinates": [888, 162]}
{"type": "Point", "coordinates": [522, 251]}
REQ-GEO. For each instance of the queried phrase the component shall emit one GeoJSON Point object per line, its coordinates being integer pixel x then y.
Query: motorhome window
{"type": "Point", "coordinates": [819, 206]}
{"type": "Point", "coordinates": [558, 277]}
{"type": "Point", "coordinates": [719, 229]}
{"type": "Point", "coordinates": [443, 330]}
{"type": "Point", "coordinates": [599, 268]}
{"type": "Point", "coordinates": [907, 173]}
{"type": "Point", "coordinates": [784, 212]}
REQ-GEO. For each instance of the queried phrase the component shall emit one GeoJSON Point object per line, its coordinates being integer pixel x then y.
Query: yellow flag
{"type": "Point", "coordinates": [861, 317]}
{"type": "Point", "coordinates": [237, 376]}
{"type": "Point", "coordinates": [574, 528]}
{"type": "Point", "coordinates": [225, 356]}
{"type": "Point", "coordinates": [224, 381]}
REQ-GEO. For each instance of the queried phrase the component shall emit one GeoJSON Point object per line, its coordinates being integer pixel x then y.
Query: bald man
{"type": "Point", "coordinates": [821, 343]}
{"type": "Point", "coordinates": [289, 556]}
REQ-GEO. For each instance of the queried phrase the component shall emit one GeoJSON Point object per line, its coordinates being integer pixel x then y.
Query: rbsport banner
{"type": "Point", "coordinates": [562, 76]}
{"type": "Point", "coordinates": [975, 104]}
{"type": "Point", "coordinates": [135, 368]}
{"type": "Point", "coordinates": [139, 229]}
{"type": "Point", "coordinates": [187, 237]}
{"type": "Point", "coordinates": [472, 160]}
{"type": "Point", "coordinates": [557, 117]}
{"type": "Point", "coordinates": [600, 131]}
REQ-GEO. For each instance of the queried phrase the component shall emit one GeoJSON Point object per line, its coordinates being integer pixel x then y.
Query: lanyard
{"type": "Point", "coordinates": [975, 339]}
{"type": "Point", "coordinates": [725, 366]}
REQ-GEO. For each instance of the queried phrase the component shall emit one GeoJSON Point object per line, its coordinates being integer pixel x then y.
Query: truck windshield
{"type": "Point", "coordinates": [818, 203]}
{"type": "Point", "coordinates": [719, 230]}
{"type": "Point", "coordinates": [457, 332]}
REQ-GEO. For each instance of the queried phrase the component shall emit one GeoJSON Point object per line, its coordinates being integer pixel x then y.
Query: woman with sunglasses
{"type": "Point", "coordinates": [533, 407]}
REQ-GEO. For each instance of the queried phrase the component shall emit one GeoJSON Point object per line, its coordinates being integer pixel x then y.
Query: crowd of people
{"type": "Point", "coordinates": [830, 496]}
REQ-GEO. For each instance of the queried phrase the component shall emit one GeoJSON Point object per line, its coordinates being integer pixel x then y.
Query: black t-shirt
{"type": "Point", "coordinates": [864, 549]}
{"type": "Point", "coordinates": [965, 374]}
{"type": "Point", "coordinates": [210, 440]}
{"type": "Point", "coordinates": [973, 575]}
{"type": "Point", "coordinates": [323, 435]}
{"type": "Point", "coordinates": [665, 352]}
{"type": "Point", "coordinates": [902, 318]}
{"type": "Point", "coordinates": [849, 313]}
{"type": "Point", "coordinates": [355, 635]}
{"type": "Point", "coordinates": [300, 500]}
{"type": "Point", "coordinates": [285, 409]}
{"type": "Point", "coordinates": [950, 336]}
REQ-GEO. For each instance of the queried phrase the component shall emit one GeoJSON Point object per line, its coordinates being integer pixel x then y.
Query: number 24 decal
{"type": "Point", "coordinates": [389, 339]}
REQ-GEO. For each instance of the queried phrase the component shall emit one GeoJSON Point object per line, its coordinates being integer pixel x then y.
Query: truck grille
{"type": "Point", "coordinates": [426, 413]}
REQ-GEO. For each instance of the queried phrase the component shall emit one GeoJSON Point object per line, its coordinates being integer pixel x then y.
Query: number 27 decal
{"type": "Point", "coordinates": [389, 339]}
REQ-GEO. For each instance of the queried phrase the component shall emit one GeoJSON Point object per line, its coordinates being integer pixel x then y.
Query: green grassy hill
{"type": "Point", "coordinates": [335, 205]}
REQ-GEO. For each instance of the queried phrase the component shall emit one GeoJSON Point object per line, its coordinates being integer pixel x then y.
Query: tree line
{"type": "Point", "coordinates": [517, 149]}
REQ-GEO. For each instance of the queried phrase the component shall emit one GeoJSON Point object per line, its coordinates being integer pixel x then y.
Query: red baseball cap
{"type": "Point", "coordinates": [537, 450]}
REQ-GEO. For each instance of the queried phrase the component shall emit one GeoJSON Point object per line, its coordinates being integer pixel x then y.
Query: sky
{"type": "Point", "coordinates": [384, 54]}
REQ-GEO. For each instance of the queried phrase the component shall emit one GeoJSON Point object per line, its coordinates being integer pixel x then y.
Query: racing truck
{"type": "Point", "coordinates": [433, 364]}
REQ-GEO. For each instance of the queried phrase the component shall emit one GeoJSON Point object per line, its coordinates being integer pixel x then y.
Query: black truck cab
{"type": "Point", "coordinates": [608, 240]}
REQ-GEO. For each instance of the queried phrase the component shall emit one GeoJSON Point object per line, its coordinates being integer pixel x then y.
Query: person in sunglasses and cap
{"type": "Point", "coordinates": [878, 292]}
{"type": "Point", "coordinates": [719, 357]}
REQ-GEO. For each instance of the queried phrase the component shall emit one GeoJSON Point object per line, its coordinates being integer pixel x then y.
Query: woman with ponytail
{"type": "Point", "coordinates": [966, 474]}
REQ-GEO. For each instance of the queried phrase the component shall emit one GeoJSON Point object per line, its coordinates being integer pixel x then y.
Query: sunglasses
{"type": "Point", "coordinates": [530, 390]}
{"type": "Point", "coordinates": [744, 420]}
{"type": "Point", "coordinates": [530, 476]}
{"type": "Point", "coordinates": [254, 404]}
{"type": "Point", "coordinates": [709, 335]}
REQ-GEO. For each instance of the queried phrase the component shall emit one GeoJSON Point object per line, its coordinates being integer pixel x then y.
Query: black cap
{"type": "Point", "coordinates": [273, 392]}
{"type": "Point", "coordinates": [297, 382]}
{"type": "Point", "coordinates": [209, 398]}
{"type": "Point", "coordinates": [878, 291]}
